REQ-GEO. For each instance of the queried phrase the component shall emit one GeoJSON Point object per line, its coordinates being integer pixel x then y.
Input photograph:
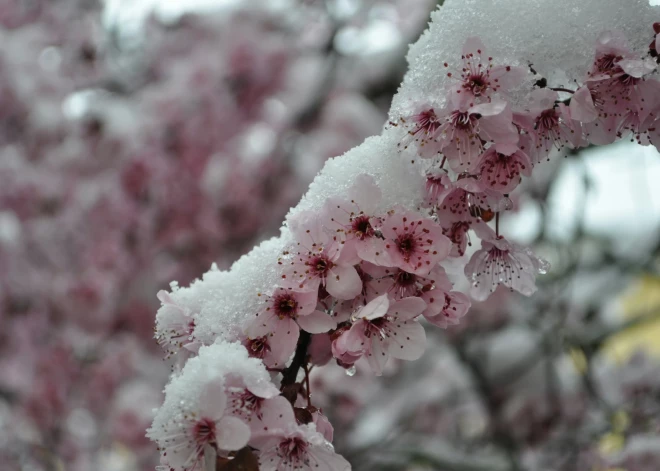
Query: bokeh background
{"type": "Point", "coordinates": [142, 141]}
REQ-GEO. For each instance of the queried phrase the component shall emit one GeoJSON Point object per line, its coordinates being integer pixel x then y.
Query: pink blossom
{"type": "Point", "coordinates": [463, 133]}
{"type": "Point", "coordinates": [315, 261]}
{"type": "Point", "coordinates": [323, 425]}
{"type": "Point", "coordinates": [260, 347]}
{"type": "Point", "coordinates": [642, 109]}
{"type": "Point", "coordinates": [175, 327]}
{"type": "Point", "coordinates": [438, 184]}
{"type": "Point", "coordinates": [611, 48]}
{"type": "Point", "coordinates": [422, 130]}
{"type": "Point", "coordinates": [249, 402]}
{"type": "Point", "coordinates": [500, 167]}
{"type": "Point", "coordinates": [414, 243]}
{"type": "Point", "coordinates": [183, 441]}
{"type": "Point", "coordinates": [286, 446]}
{"type": "Point", "coordinates": [280, 318]}
{"type": "Point", "coordinates": [457, 232]}
{"type": "Point", "coordinates": [468, 200]}
{"type": "Point", "coordinates": [553, 125]}
{"type": "Point", "coordinates": [443, 306]}
{"type": "Point", "coordinates": [382, 329]}
{"type": "Point", "coordinates": [479, 78]}
{"type": "Point", "coordinates": [357, 220]}
{"type": "Point", "coordinates": [502, 262]}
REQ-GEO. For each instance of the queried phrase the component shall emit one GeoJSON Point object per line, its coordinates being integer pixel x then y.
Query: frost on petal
{"type": "Point", "coordinates": [194, 414]}
{"type": "Point", "coordinates": [175, 326]}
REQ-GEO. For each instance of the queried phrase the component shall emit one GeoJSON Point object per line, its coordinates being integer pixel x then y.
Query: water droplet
{"type": "Point", "coordinates": [544, 266]}
{"type": "Point", "coordinates": [351, 371]}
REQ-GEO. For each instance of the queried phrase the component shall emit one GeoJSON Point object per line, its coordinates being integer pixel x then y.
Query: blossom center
{"type": "Point", "coordinates": [294, 449]}
{"type": "Point", "coordinates": [258, 347]}
{"type": "Point", "coordinates": [362, 227]}
{"type": "Point", "coordinates": [286, 306]}
{"type": "Point", "coordinates": [427, 121]}
{"type": "Point", "coordinates": [477, 84]}
{"type": "Point", "coordinates": [406, 245]}
{"type": "Point", "coordinates": [204, 432]}
{"type": "Point", "coordinates": [547, 120]}
{"type": "Point", "coordinates": [607, 62]}
{"type": "Point", "coordinates": [462, 120]}
{"type": "Point", "coordinates": [321, 265]}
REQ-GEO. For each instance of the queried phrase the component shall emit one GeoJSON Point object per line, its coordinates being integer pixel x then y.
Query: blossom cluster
{"type": "Point", "coordinates": [131, 155]}
{"type": "Point", "coordinates": [358, 276]}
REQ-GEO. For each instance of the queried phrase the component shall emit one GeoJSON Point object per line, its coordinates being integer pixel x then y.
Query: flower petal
{"type": "Point", "coordinates": [317, 322]}
{"type": "Point", "coordinates": [343, 282]}
{"type": "Point", "coordinates": [232, 434]}
{"type": "Point", "coordinates": [408, 341]}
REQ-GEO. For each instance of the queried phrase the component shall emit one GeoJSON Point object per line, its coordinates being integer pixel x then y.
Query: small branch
{"type": "Point", "coordinates": [290, 373]}
{"type": "Point", "coordinates": [560, 89]}
{"type": "Point", "coordinates": [307, 388]}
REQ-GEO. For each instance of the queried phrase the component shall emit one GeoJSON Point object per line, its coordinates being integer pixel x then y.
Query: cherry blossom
{"type": "Point", "coordinates": [552, 124]}
{"type": "Point", "coordinates": [280, 318]}
{"type": "Point", "coordinates": [414, 243]}
{"type": "Point", "coordinates": [183, 442]}
{"type": "Point", "coordinates": [422, 131]}
{"type": "Point", "coordinates": [315, 260]}
{"type": "Point", "coordinates": [479, 78]}
{"type": "Point", "coordinates": [464, 132]}
{"type": "Point", "coordinates": [358, 221]}
{"type": "Point", "coordinates": [175, 326]}
{"type": "Point", "coordinates": [468, 200]}
{"type": "Point", "coordinates": [502, 262]}
{"type": "Point", "coordinates": [285, 445]}
{"type": "Point", "coordinates": [501, 166]}
{"type": "Point", "coordinates": [382, 329]}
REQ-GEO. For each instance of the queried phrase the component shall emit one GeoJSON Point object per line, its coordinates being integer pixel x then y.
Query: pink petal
{"type": "Point", "coordinates": [582, 106]}
{"type": "Point", "coordinates": [508, 77]}
{"type": "Point", "coordinates": [354, 341]}
{"type": "Point", "coordinates": [377, 357]}
{"type": "Point", "coordinates": [232, 434]}
{"type": "Point", "coordinates": [306, 301]}
{"type": "Point", "coordinates": [637, 68]}
{"type": "Point", "coordinates": [409, 342]}
{"type": "Point", "coordinates": [373, 250]}
{"type": "Point", "coordinates": [284, 340]}
{"type": "Point", "coordinates": [264, 324]}
{"type": "Point", "coordinates": [316, 322]}
{"type": "Point", "coordinates": [492, 108]}
{"type": "Point", "coordinates": [277, 417]}
{"type": "Point", "coordinates": [325, 459]}
{"type": "Point", "coordinates": [378, 307]}
{"type": "Point", "coordinates": [343, 282]}
{"type": "Point", "coordinates": [407, 308]}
